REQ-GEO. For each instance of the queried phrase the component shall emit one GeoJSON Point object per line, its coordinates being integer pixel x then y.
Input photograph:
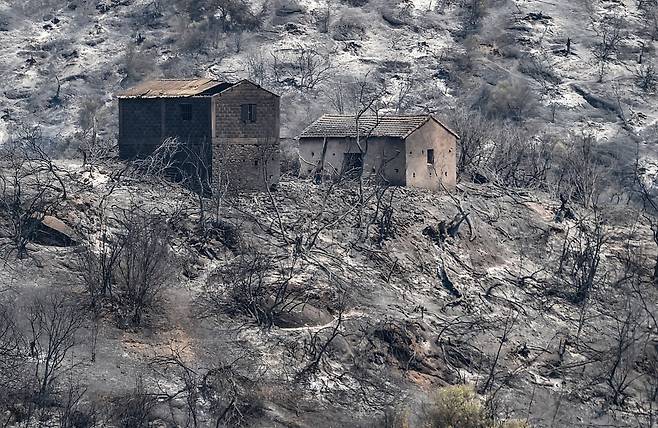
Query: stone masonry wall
{"type": "Point", "coordinates": [245, 154]}
{"type": "Point", "coordinates": [228, 124]}
{"type": "Point", "coordinates": [246, 166]}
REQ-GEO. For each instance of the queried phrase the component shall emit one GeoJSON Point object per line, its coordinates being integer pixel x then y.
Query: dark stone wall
{"type": "Point", "coordinates": [140, 127]}
{"type": "Point", "coordinates": [196, 131]}
{"type": "Point", "coordinates": [145, 123]}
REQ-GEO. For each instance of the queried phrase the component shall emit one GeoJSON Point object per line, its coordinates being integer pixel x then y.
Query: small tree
{"type": "Point", "coordinates": [135, 409]}
{"type": "Point", "coordinates": [145, 264]}
{"type": "Point", "coordinates": [511, 99]}
{"type": "Point", "coordinates": [246, 288]}
{"type": "Point", "coordinates": [31, 186]}
{"type": "Point", "coordinates": [71, 414]}
{"type": "Point", "coordinates": [473, 12]}
{"type": "Point", "coordinates": [312, 68]}
{"type": "Point", "coordinates": [324, 17]}
{"type": "Point", "coordinates": [136, 64]}
{"type": "Point", "coordinates": [580, 173]}
{"type": "Point", "coordinates": [475, 133]}
{"type": "Point", "coordinates": [580, 259]}
{"type": "Point", "coordinates": [257, 67]}
{"type": "Point", "coordinates": [190, 378]}
{"type": "Point", "coordinates": [624, 352]}
{"type": "Point", "coordinates": [13, 358]}
{"type": "Point", "coordinates": [98, 267]}
{"type": "Point", "coordinates": [54, 321]}
{"type": "Point", "coordinates": [646, 77]}
{"type": "Point", "coordinates": [457, 406]}
{"type": "Point", "coordinates": [90, 119]}
{"type": "Point", "coordinates": [610, 33]}
{"type": "Point", "coordinates": [520, 159]}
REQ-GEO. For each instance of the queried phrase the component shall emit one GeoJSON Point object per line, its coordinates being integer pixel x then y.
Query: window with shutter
{"type": "Point", "coordinates": [244, 113]}
{"type": "Point", "coordinates": [248, 113]}
{"type": "Point", "coordinates": [186, 112]}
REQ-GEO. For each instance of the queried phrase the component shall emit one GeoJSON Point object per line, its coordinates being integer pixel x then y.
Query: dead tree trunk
{"type": "Point", "coordinates": [564, 212]}
{"type": "Point", "coordinates": [446, 281]}
{"type": "Point", "coordinates": [319, 170]}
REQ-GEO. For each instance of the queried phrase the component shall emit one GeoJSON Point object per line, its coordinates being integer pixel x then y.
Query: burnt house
{"type": "Point", "coordinates": [417, 151]}
{"type": "Point", "coordinates": [228, 133]}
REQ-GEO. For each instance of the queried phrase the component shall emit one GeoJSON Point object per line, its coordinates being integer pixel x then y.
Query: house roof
{"type": "Point", "coordinates": [171, 88]}
{"type": "Point", "coordinates": [243, 81]}
{"type": "Point", "coordinates": [340, 126]}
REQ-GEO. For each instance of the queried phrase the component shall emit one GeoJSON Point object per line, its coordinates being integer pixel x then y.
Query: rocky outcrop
{"type": "Point", "coordinates": [53, 231]}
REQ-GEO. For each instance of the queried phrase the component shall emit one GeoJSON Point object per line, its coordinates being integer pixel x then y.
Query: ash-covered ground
{"type": "Point", "coordinates": [334, 304]}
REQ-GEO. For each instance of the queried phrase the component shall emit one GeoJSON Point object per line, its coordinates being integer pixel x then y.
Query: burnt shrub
{"type": "Point", "coordinates": [131, 265]}
{"type": "Point", "coordinates": [350, 26]}
{"type": "Point", "coordinates": [289, 158]}
{"type": "Point", "coordinates": [508, 99]}
{"type": "Point", "coordinates": [146, 263]}
{"type": "Point", "coordinates": [135, 409]}
{"type": "Point", "coordinates": [136, 64]}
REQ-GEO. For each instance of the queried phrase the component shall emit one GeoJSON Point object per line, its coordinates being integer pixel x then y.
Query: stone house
{"type": "Point", "coordinates": [228, 132]}
{"type": "Point", "coordinates": [417, 151]}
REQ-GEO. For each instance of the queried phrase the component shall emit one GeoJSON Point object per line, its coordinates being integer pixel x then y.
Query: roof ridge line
{"type": "Point", "coordinates": [184, 79]}
{"type": "Point", "coordinates": [342, 125]}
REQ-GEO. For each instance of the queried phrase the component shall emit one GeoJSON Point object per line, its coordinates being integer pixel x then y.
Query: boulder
{"type": "Point", "coordinates": [53, 231]}
{"type": "Point", "coordinates": [342, 349]}
{"type": "Point", "coordinates": [289, 8]}
{"type": "Point", "coordinates": [302, 315]}
{"type": "Point", "coordinates": [392, 18]}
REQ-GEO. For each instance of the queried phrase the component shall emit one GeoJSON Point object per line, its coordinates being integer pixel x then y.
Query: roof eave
{"type": "Point", "coordinates": [240, 82]}
{"type": "Point", "coordinates": [301, 134]}
{"type": "Point", "coordinates": [149, 90]}
{"type": "Point", "coordinates": [426, 118]}
{"type": "Point", "coordinates": [417, 127]}
{"type": "Point", "coordinates": [151, 97]}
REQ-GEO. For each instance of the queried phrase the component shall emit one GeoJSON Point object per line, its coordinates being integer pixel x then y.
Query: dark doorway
{"type": "Point", "coordinates": [352, 164]}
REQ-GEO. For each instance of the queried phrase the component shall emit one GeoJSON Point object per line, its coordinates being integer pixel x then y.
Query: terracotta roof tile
{"type": "Point", "coordinates": [340, 126]}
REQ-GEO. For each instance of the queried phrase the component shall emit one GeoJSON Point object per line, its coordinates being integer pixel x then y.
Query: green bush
{"type": "Point", "coordinates": [456, 406]}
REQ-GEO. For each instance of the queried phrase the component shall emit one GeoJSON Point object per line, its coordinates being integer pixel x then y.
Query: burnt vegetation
{"type": "Point", "coordinates": [526, 296]}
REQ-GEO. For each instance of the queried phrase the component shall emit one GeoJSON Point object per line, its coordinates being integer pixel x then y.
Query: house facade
{"type": "Point", "coordinates": [416, 151]}
{"type": "Point", "coordinates": [228, 132]}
